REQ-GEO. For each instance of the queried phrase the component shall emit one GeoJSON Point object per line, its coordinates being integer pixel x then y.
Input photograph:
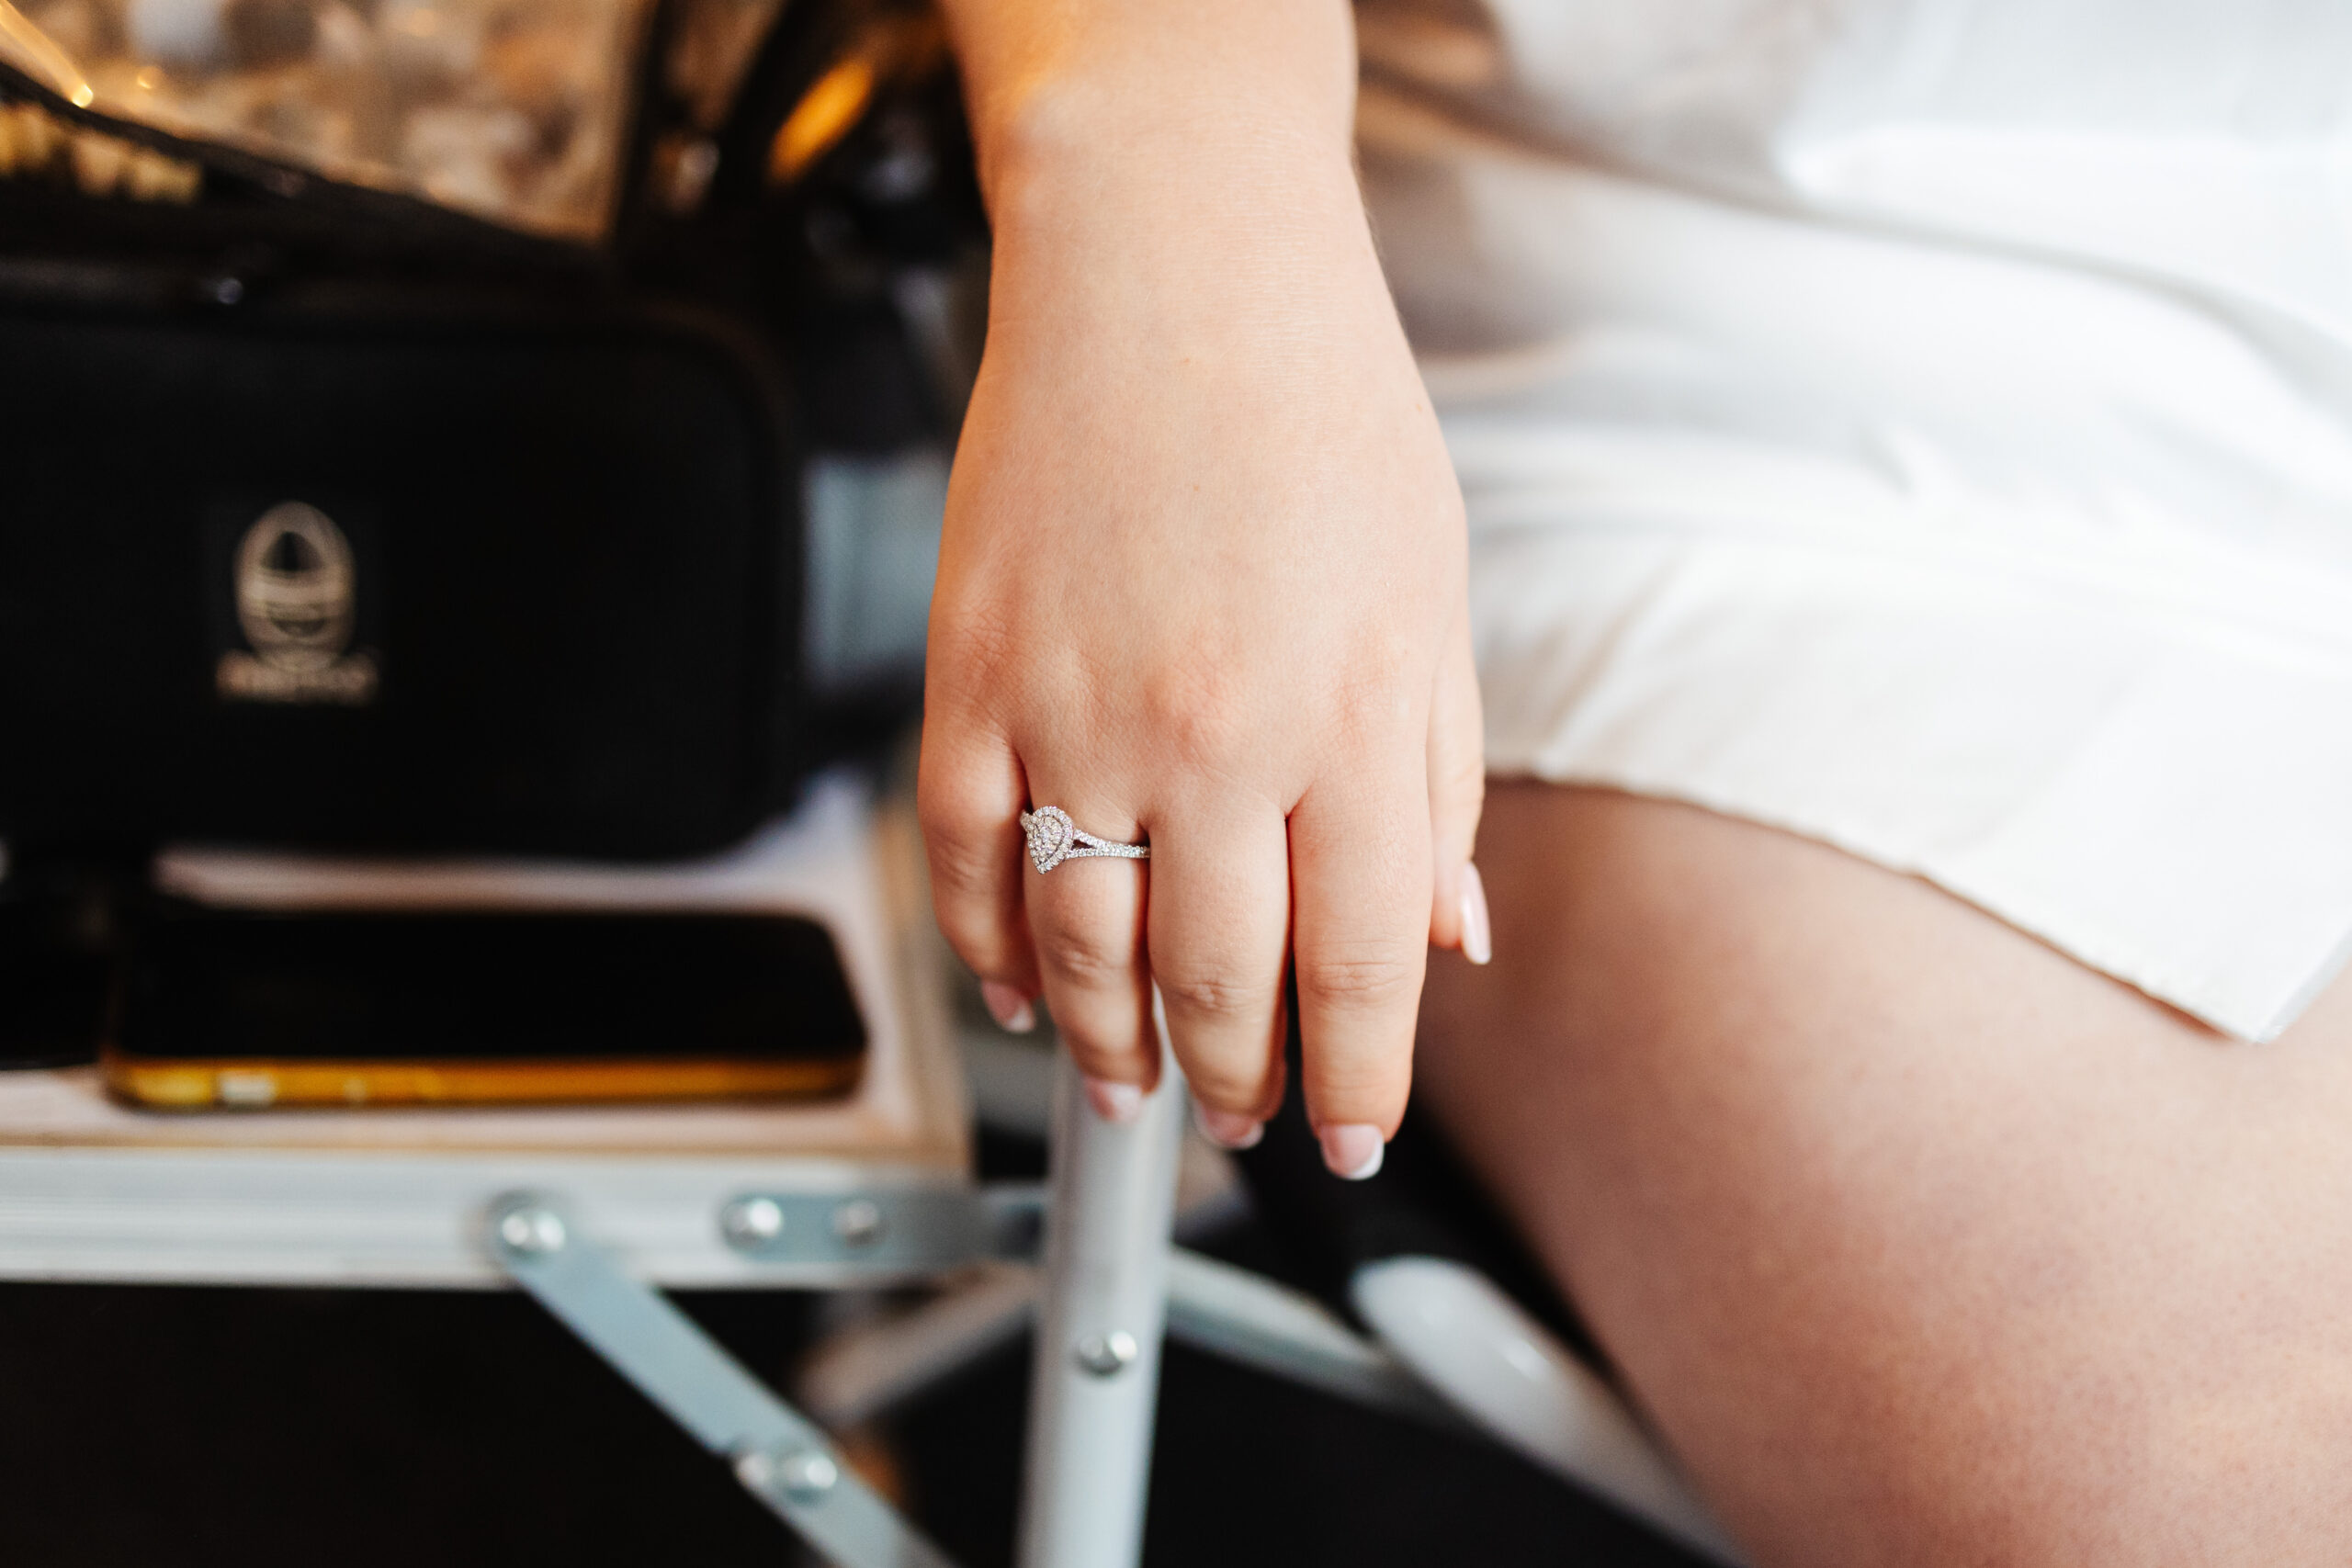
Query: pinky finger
{"type": "Point", "coordinates": [1457, 794]}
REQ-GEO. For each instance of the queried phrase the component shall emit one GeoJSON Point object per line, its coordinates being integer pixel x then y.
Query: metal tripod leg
{"type": "Point", "coordinates": [1097, 1380]}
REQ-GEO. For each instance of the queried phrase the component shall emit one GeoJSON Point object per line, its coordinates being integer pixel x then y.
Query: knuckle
{"type": "Point", "coordinates": [1197, 714]}
{"type": "Point", "coordinates": [1212, 995]}
{"type": "Point", "coordinates": [1085, 961]}
{"type": "Point", "coordinates": [953, 795]}
{"type": "Point", "coordinates": [963, 869]}
{"type": "Point", "coordinates": [968, 854]}
{"type": "Point", "coordinates": [1373, 699]}
{"type": "Point", "coordinates": [1360, 982]}
{"type": "Point", "coordinates": [974, 641]}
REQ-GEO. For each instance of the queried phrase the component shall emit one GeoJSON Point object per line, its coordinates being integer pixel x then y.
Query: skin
{"type": "Point", "coordinates": [1920, 1243]}
{"type": "Point", "coordinates": [1203, 575]}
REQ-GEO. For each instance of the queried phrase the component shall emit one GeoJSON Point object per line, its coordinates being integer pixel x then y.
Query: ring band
{"type": "Point", "coordinates": [1053, 838]}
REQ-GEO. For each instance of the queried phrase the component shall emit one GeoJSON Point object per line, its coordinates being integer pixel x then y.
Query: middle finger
{"type": "Point", "coordinates": [1219, 931]}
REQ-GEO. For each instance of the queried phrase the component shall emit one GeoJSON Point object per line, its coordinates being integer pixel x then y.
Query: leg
{"type": "Point", "coordinates": [1921, 1243]}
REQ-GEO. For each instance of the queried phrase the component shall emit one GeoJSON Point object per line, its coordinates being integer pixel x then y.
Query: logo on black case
{"type": "Point", "coordinates": [297, 594]}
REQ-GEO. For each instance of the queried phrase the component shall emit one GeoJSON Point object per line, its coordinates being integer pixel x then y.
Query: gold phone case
{"type": "Point", "coordinates": [231, 1084]}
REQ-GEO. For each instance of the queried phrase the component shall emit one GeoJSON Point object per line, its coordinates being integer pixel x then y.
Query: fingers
{"type": "Point", "coordinates": [968, 795]}
{"type": "Point", "coordinates": [1217, 933]}
{"type": "Point", "coordinates": [1359, 869]}
{"type": "Point", "coordinates": [1457, 791]}
{"type": "Point", "coordinates": [1369, 869]}
{"type": "Point", "coordinates": [1086, 928]}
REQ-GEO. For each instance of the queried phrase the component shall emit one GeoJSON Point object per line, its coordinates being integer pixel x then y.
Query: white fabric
{"type": "Point", "coordinates": [1924, 425]}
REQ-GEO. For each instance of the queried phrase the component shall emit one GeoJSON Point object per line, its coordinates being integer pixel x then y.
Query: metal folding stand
{"type": "Point", "coordinates": [1093, 1398]}
{"type": "Point", "coordinates": [1112, 1282]}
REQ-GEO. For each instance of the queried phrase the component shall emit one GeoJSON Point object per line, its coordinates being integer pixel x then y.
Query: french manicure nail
{"type": "Point", "coordinates": [1008, 1007]}
{"type": "Point", "coordinates": [1477, 935]}
{"type": "Point", "coordinates": [1230, 1129]}
{"type": "Point", "coordinates": [1114, 1102]}
{"type": "Point", "coordinates": [1354, 1150]}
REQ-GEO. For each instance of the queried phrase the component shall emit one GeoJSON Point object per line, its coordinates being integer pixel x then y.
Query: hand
{"type": "Point", "coordinates": [1202, 581]}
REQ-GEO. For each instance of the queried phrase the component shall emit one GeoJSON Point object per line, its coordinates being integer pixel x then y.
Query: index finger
{"type": "Point", "coordinates": [968, 793]}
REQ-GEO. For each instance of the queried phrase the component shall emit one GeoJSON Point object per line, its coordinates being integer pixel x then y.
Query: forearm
{"type": "Point", "coordinates": [1173, 183]}
{"type": "Point", "coordinates": [1181, 85]}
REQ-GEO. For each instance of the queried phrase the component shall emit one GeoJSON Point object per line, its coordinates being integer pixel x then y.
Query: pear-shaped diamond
{"type": "Point", "coordinates": [1050, 834]}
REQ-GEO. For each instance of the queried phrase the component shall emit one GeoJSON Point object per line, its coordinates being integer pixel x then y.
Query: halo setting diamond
{"type": "Point", "coordinates": [1053, 838]}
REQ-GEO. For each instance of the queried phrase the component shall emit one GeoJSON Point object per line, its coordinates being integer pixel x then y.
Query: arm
{"type": "Point", "coordinates": [1203, 575]}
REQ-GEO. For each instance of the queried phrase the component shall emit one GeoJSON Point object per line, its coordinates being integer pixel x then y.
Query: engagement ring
{"type": "Point", "coordinates": [1053, 838]}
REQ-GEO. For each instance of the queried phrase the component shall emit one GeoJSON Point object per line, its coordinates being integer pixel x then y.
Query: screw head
{"type": "Point", "coordinates": [749, 1222]}
{"type": "Point", "coordinates": [532, 1232]}
{"type": "Point", "coordinates": [1106, 1354]}
{"type": "Point", "coordinates": [755, 1468]}
{"type": "Point", "coordinates": [859, 1222]}
{"type": "Point", "coordinates": [808, 1475]}
{"type": "Point", "coordinates": [805, 1475]}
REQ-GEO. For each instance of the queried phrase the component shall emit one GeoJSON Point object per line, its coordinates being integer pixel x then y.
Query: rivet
{"type": "Point", "coordinates": [749, 1222]}
{"type": "Point", "coordinates": [805, 1475]}
{"type": "Point", "coordinates": [858, 1222]}
{"type": "Point", "coordinates": [532, 1232]}
{"type": "Point", "coordinates": [1104, 1354]}
{"type": "Point", "coordinates": [808, 1475]}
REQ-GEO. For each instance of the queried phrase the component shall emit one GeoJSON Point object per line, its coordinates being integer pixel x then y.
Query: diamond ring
{"type": "Point", "coordinates": [1053, 838]}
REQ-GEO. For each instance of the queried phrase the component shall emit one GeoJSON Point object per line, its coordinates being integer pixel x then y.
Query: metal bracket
{"type": "Point", "coordinates": [781, 1458]}
{"type": "Point", "coordinates": [892, 1232]}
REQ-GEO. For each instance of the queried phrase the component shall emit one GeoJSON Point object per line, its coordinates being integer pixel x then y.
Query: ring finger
{"type": "Point", "coordinates": [1086, 919]}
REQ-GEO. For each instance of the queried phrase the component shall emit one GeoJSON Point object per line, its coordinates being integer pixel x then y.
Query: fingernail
{"type": "Point", "coordinates": [1114, 1102]}
{"type": "Point", "coordinates": [1354, 1150]}
{"type": "Point", "coordinates": [1008, 1007]}
{"type": "Point", "coordinates": [1230, 1129]}
{"type": "Point", "coordinates": [1477, 935]}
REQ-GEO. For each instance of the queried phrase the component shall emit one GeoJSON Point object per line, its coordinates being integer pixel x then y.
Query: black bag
{"type": "Point", "coordinates": [331, 518]}
{"type": "Point", "coordinates": [394, 571]}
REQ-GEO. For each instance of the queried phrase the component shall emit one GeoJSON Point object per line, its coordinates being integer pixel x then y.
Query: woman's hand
{"type": "Point", "coordinates": [1203, 575]}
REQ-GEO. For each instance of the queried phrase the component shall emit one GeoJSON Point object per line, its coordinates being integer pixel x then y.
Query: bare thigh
{"type": "Point", "coordinates": [1921, 1243]}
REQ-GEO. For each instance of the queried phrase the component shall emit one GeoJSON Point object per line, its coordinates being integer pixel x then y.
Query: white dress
{"type": "Point", "coordinates": [1925, 425]}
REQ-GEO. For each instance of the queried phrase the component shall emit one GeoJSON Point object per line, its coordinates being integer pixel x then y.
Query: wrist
{"type": "Point", "coordinates": [1178, 100]}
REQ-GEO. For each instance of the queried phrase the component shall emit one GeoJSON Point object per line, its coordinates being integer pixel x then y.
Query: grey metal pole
{"type": "Point", "coordinates": [1097, 1378]}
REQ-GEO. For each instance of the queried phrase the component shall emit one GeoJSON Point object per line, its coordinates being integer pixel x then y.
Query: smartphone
{"type": "Point", "coordinates": [237, 1007]}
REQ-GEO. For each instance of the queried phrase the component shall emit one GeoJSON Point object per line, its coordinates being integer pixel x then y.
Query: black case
{"type": "Point", "coordinates": [555, 606]}
{"type": "Point", "coordinates": [564, 614]}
